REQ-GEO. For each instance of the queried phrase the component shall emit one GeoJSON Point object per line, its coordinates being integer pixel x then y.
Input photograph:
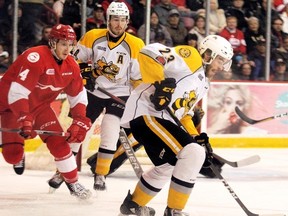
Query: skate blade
{"type": "Point", "coordinates": [52, 190]}
{"type": "Point", "coordinates": [85, 200]}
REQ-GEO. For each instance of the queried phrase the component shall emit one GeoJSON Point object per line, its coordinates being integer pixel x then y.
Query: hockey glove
{"type": "Point", "coordinates": [78, 129]}
{"type": "Point", "coordinates": [88, 75]}
{"type": "Point", "coordinates": [203, 140]}
{"type": "Point", "coordinates": [26, 126]}
{"type": "Point", "coordinates": [163, 93]}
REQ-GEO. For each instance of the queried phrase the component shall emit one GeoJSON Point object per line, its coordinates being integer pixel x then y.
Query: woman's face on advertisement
{"type": "Point", "coordinates": [232, 99]}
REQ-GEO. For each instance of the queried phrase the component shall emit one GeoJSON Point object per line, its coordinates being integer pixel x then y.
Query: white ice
{"type": "Point", "coordinates": [262, 187]}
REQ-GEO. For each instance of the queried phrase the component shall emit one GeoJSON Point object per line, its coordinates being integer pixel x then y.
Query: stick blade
{"type": "Point", "coordinates": [248, 161]}
{"type": "Point", "coordinates": [244, 162]}
{"type": "Point", "coordinates": [244, 117]}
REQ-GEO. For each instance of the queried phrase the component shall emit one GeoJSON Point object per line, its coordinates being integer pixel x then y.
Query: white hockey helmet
{"type": "Point", "coordinates": [117, 9]}
{"type": "Point", "coordinates": [216, 45]}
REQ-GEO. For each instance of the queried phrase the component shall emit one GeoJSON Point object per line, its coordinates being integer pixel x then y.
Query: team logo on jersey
{"type": "Point", "coordinates": [50, 71]}
{"type": "Point", "coordinates": [107, 69]}
{"type": "Point", "coordinates": [33, 57]}
{"type": "Point", "coordinates": [184, 53]}
{"type": "Point", "coordinates": [186, 102]}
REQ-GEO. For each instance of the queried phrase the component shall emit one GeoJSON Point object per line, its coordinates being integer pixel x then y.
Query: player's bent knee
{"type": "Point", "coordinates": [58, 147]}
{"type": "Point", "coordinates": [190, 161]}
{"type": "Point", "coordinates": [192, 151]}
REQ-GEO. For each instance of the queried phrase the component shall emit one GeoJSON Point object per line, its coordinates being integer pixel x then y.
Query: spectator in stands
{"type": "Point", "coordinates": [281, 52]}
{"type": "Point", "coordinates": [217, 19]}
{"type": "Point", "coordinates": [45, 35]}
{"type": "Point", "coordinates": [192, 40]}
{"type": "Point", "coordinates": [284, 16]}
{"type": "Point", "coordinates": [3, 10]}
{"type": "Point", "coordinates": [160, 38]}
{"type": "Point", "coordinates": [279, 5]}
{"type": "Point", "coordinates": [4, 59]}
{"type": "Point", "coordinates": [236, 38]}
{"type": "Point", "coordinates": [277, 34]}
{"type": "Point", "coordinates": [237, 10]}
{"type": "Point", "coordinates": [245, 70]}
{"type": "Point", "coordinates": [163, 8]}
{"type": "Point", "coordinates": [253, 33]}
{"type": "Point", "coordinates": [58, 7]}
{"type": "Point", "coordinates": [280, 71]}
{"type": "Point", "coordinates": [225, 4]}
{"type": "Point", "coordinates": [195, 5]}
{"type": "Point", "coordinates": [90, 8]}
{"type": "Point", "coordinates": [155, 27]}
{"type": "Point", "coordinates": [71, 16]}
{"type": "Point", "coordinates": [131, 30]}
{"type": "Point", "coordinates": [177, 31]}
{"type": "Point", "coordinates": [32, 11]}
{"type": "Point", "coordinates": [226, 75]}
{"type": "Point", "coordinates": [257, 60]}
{"type": "Point", "coordinates": [26, 38]}
{"type": "Point", "coordinates": [199, 28]}
{"type": "Point", "coordinates": [97, 20]}
{"type": "Point", "coordinates": [186, 14]}
{"type": "Point", "coordinates": [253, 6]}
{"type": "Point", "coordinates": [138, 16]}
{"type": "Point", "coordinates": [262, 16]}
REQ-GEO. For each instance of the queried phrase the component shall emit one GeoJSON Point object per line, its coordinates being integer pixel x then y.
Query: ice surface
{"type": "Point", "coordinates": [262, 187]}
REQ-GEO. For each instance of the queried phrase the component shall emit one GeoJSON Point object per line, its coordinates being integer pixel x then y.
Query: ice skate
{"type": "Point", "coordinates": [91, 161]}
{"type": "Point", "coordinates": [55, 182]}
{"type": "Point", "coordinates": [99, 182]}
{"type": "Point", "coordinates": [20, 167]}
{"type": "Point", "coordinates": [174, 212]}
{"type": "Point", "coordinates": [78, 190]}
{"type": "Point", "coordinates": [129, 207]}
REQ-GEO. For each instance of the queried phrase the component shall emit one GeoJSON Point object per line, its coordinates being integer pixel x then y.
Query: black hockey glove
{"type": "Point", "coordinates": [163, 93]}
{"type": "Point", "coordinates": [203, 140]}
{"type": "Point", "coordinates": [198, 115]}
{"type": "Point", "coordinates": [88, 75]}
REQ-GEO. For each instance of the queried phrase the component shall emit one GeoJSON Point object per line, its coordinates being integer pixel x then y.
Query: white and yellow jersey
{"type": "Point", "coordinates": [117, 59]}
{"type": "Point", "coordinates": [158, 62]}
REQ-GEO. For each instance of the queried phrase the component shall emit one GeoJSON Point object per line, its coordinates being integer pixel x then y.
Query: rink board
{"type": "Point", "coordinates": [32, 145]}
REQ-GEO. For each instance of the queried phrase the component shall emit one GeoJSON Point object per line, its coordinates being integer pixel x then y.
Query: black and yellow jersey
{"type": "Point", "coordinates": [157, 62]}
{"type": "Point", "coordinates": [118, 59]}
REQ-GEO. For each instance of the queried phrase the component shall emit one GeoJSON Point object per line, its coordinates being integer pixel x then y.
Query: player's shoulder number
{"type": "Point", "coordinates": [166, 52]}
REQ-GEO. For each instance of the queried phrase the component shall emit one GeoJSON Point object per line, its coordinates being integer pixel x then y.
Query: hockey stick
{"type": "Point", "coordinates": [220, 177]}
{"type": "Point", "coordinates": [234, 195]}
{"type": "Point", "coordinates": [115, 98]}
{"type": "Point", "coordinates": [39, 132]}
{"type": "Point", "coordinates": [244, 162]}
{"type": "Point", "coordinates": [240, 163]}
{"type": "Point", "coordinates": [253, 121]}
{"type": "Point", "coordinates": [124, 139]}
{"type": "Point", "coordinates": [130, 153]}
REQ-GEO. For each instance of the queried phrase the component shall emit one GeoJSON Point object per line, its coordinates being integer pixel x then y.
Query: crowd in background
{"type": "Point", "coordinates": [172, 22]}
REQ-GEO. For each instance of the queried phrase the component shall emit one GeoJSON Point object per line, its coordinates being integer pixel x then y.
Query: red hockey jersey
{"type": "Point", "coordinates": [35, 79]}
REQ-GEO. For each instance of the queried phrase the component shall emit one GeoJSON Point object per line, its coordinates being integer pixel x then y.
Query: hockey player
{"type": "Point", "coordinates": [113, 54]}
{"type": "Point", "coordinates": [28, 88]}
{"type": "Point", "coordinates": [173, 78]}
